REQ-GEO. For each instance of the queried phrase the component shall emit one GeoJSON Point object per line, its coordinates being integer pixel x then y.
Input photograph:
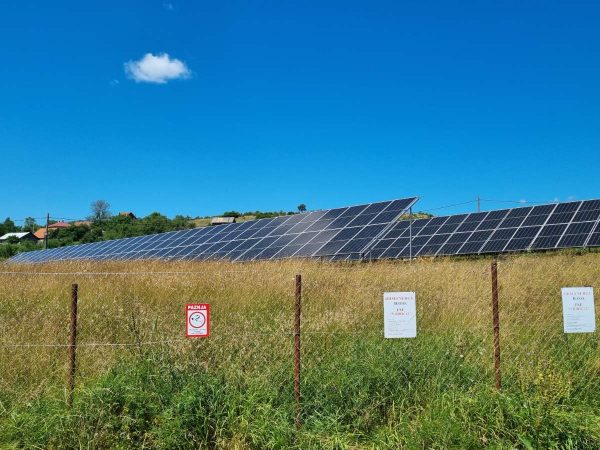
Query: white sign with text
{"type": "Point", "coordinates": [579, 315]}
{"type": "Point", "coordinates": [399, 315]}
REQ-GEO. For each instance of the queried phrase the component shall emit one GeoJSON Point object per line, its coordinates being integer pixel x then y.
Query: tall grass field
{"type": "Point", "coordinates": [141, 384]}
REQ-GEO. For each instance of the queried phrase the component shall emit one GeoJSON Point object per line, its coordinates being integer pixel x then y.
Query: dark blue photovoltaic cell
{"type": "Point", "coordinates": [523, 238]}
{"type": "Point", "coordinates": [594, 240]}
{"type": "Point", "coordinates": [471, 222]}
{"type": "Point", "coordinates": [330, 248]}
{"type": "Point", "coordinates": [355, 246]}
{"type": "Point", "coordinates": [434, 245]}
{"type": "Point", "coordinates": [498, 240]}
{"type": "Point", "coordinates": [538, 215]}
{"type": "Point", "coordinates": [450, 226]}
{"type": "Point", "coordinates": [474, 242]}
{"type": "Point", "coordinates": [393, 251]}
{"type": "Point", "coordinates": [588, 212]}
{"type": "Point", "coordinates": [549, 236]}
{"type": "Point", "coordinates": [576, 234]}
{"type": "Point", "coordinates": [370, 231]}
{"type": "Point", "coordinates": [398, 230]}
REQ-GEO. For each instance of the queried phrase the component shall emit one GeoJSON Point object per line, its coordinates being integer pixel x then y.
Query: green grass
{"type": "Point", "coordinates": [152, 401]}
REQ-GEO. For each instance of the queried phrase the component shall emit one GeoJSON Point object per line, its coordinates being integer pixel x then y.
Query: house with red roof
{"type": "Point", "coordinates": [41, 233]}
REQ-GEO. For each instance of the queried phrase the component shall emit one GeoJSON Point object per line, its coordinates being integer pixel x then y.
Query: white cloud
{"type": "Point", "coordinates": [113, 83]}
{"type": "Point", "coordinates": [156, 69]}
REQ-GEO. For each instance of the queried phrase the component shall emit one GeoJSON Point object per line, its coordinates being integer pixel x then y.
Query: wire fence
{"type": "Point", "coordinates": [537, 354]}
{"type": "Point", "coordinates": [337, 363]}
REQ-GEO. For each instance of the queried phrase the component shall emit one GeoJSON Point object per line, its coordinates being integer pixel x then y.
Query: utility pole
{"type": "Point", "coordinates": [47, 225]}
{"type": "Point", "coordinates": [478, 204]}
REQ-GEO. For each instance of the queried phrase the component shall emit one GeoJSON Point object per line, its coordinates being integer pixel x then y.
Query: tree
{"type": "Point", "coordinates": [301, 207]}
{"type": "Point", "coordinates": [155, 223]}
{"type": "Point", "coordinates": [9, 226]}
{"type": "Point", "coordinates": [7, 250]}
{"type": "Point", "coordinates": [100, 210]}
{"type": "Point", "coordinates": [180, 222]}
{"type": "Point", "coordinates": [231, 214]}
{"type": "Point", "coordinates": [30, 225]}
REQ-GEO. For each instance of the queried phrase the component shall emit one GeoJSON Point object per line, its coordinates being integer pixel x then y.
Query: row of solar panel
{"type": "Point", "coordinates": [342, 233]}
{"type": "Point", "coordinates": [364, 231]}
{"type": "Point", "coordinates": [562, 225]}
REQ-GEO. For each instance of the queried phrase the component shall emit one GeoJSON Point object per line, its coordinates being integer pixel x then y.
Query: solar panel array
{"type": "Point", "coordinates": [370, 231]}
{"type": "Point", "coordinates": [544, 227]}
{"type": "Point", "coordinates": [338, 234]}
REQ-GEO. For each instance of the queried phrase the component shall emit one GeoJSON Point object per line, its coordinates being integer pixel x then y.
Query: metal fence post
{"type": "Point", "coordinates": [298, 311]}
{"type": "Point", "coordinates": [72, 344]}
{"type": "Point", "coordinates": [496, 318]}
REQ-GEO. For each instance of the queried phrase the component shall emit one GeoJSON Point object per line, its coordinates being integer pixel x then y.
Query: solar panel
{"type": "Point", "coordinates": [543, 227]}
{"type": "Point", "coordinates": [341, 233]}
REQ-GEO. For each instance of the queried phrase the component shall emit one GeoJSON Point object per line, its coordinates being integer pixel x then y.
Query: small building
{"type": "Point", "coordinates": [58, 225]}
{"type": "Point", "coordinates": [222, 220]}
{"type": "Point", "coordinates": [22, 236]}
{"type": "Point", "coordinates": [127, 214]}
{"type": "Point", "coordinates": [41, 233]}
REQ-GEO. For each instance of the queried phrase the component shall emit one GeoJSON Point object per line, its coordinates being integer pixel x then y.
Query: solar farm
{"type": "Point", "coordinates": [363, 232]}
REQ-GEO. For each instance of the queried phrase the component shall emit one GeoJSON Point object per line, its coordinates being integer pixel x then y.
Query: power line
{"type": "Point", "coordinates": [27, 218]}
{"type": "Point", "coordinates": [521, 202]}
{"type": "Point", "coordinates": [478, 201]}
{"type": "Point", "coordinates": [452, 205]}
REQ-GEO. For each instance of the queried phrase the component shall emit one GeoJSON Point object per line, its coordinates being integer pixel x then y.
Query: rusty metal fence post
{"type": "Point", "coordinates": [496, 319]}
{"type": "Point", "coordinates": [298, 311]}
{"type": "Point", "coordinates": [72, 344]}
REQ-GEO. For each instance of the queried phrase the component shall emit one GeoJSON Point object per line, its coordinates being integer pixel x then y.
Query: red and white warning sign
{"type": "Point", "coordinates": [197, 320]}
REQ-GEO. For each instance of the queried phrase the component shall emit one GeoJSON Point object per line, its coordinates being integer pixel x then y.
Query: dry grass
{"type": "Point", "coordinates": [141, 302]}
{"type": "Point", "coordinates": [141, 305]}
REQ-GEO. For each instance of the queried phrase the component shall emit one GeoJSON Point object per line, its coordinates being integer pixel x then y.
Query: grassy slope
{"type": "Point", "coordinates": [204, 222]}
{"type": "Point", "coordinates": [234, 390]}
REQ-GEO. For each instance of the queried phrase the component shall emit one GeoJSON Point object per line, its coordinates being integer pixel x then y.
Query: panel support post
{"type": "Point", "coordinates": [297, 315]}
{"type": "Point", "coordinates": [410, 221]}
{"type": "Point", "coordinates": [496, 318]}
{"type": "Point", "coordinates": [72, 344]}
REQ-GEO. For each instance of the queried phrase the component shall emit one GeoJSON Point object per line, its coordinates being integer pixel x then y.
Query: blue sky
{"type": "Point", "coordinates": [281, 103]}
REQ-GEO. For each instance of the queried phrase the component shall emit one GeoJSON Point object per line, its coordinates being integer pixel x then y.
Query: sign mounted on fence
{"type": "Point", "coordinates": [579, 315]}
{"type": "Point", "coordinates": [197, 320]}
{"type": "Point", "coordinates": [399, 315]}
